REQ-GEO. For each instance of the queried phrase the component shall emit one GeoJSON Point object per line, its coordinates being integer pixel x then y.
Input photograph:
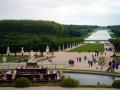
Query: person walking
{"type": "Point", "coordinates": [85, 58]}
{"type": "Point", "coordinates": [79, 59]}
{"type": "Point", "coordinates": [89, 62]}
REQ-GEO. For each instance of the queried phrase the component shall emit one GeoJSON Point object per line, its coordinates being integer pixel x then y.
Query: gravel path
{"type": "Point", "coordinates": [54, 88]}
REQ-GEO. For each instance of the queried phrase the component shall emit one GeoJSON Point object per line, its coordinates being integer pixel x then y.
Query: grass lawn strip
{"type": "Point", "coordinates": [89, 48]}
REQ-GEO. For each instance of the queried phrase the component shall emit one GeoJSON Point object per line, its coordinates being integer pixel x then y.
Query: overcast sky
{"type": "Point", "coordinates": [89, 12]}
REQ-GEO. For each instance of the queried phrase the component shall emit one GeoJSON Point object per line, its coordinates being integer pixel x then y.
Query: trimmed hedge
{"type": "Point", "coordinates": [69, 82]}
{"type": "Point", "coordinates": [116, 84]}
{"type": "Point", "coordinates": [22, 82]}
{"type": "Point", "coordinates": [101, 60]}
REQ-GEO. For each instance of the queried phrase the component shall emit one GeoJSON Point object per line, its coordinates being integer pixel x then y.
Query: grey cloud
{"type": "Point", "coordinates": [101, 12]}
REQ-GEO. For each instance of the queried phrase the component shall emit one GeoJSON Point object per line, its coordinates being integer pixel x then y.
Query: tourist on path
{"type": "Point", "coordinates": [85, 58]}
{"type": "Point", "coordinates": [79, 59]}
{"type": "Point", "coordinates": [89, 62]}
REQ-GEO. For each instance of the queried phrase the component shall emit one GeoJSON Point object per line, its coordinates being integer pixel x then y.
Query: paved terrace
{"type": "Point", "coordinates": [54, 88]}
{"type": "Point", "coordinates": [60, 60]}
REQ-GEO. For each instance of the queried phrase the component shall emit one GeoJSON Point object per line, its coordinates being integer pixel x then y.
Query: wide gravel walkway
{"type": "Point", "coordinates": [53, 88]}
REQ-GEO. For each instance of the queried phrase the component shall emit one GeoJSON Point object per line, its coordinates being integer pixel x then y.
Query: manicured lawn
{"type": "Point", "coordinates": [89, 48]}
{"type": "Point", "coordinates": [13, 58]}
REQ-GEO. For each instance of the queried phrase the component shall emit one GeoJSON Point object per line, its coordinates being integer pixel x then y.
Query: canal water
{"type": "Point", "coordinates": [91, 79]}
{"type": "Point", "coordinates": [100, 35]}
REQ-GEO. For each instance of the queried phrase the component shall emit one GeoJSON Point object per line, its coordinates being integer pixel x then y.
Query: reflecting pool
{"type": "Point", "coordinates": [91, 79]}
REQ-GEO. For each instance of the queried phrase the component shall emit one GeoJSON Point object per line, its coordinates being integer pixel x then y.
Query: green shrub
{"type": "Point", "coordinates": [101, 60]}
{"type": "Point", "coordinates": [116, 84]}
{"type": "Point", "coordinates": [69, 82]}
{"type": "Point", "coordinates": [116, 58]}
{"type": "Point", "coordinates": [22, 82]}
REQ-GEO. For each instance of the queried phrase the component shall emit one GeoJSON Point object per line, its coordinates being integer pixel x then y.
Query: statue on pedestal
{"type": "Point", "coordinates": [67, 46]}
{"type": "Point", "coordinates": [32, 57]}
{"type": "Point", "coordinates": [74, 44]}
{"type": "Point", "coordinates": [63, 48]}
{"type": "Point", "coordinates": [59, 49]}
{"type": "Point", "coordinates": [22, 50]}
{"type": "Point", "coordinates": [47, 49]}
{"type": "Point", "coordinates": [8, 51]}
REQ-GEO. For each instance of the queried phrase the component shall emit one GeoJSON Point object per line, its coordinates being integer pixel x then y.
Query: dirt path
{"type": "Point", "coordinates": [54, 88]}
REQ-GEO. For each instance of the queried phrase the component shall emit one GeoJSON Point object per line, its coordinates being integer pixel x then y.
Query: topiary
{"type": "Point", "coordinates": [69, 82]}
{"type": "Point", "coordinates": [116, 84]}
{"type": "Point", "coordinates": [22, 82]}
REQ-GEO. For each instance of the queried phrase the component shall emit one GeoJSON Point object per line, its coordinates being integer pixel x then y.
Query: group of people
{"type": "Point", "coordinates": [71, 62]}
{"type": "Point", "coordinates": [90, 63]}
{"type": "Point", "coordinates": [79, 59]}
{"type": "Point", "coordinates": [112, 66]}
{"type": "Point", "coordinates": [108, 49]}
{"type": "Point", "coordinates": [94, 58]}
{"type": "Point", "coordinates": [97, 53]}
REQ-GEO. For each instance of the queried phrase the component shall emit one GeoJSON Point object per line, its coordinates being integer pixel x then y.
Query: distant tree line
{"type": "Point", "coordinates": [115, 29]}
{"type": "Point", "coordinates": [36, 34]}
{"type": "Point", "coordinates": [116, 44]}
{"type": "Point", "coordinates": [116, 41]}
